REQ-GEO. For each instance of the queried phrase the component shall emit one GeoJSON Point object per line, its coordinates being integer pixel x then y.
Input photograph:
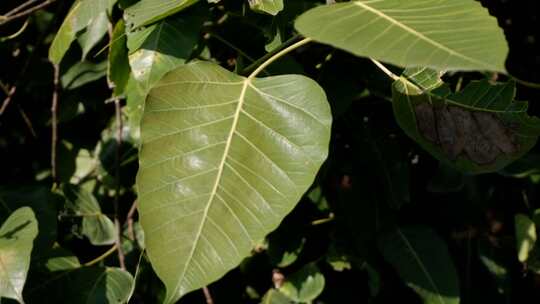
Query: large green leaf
{"type": "Point", "coordinates": [83, 13]}
{"type": "Point", "coordinates": [223, 159]}
{"type": "Point", "coordinates": [161, 47]}
{"type": "Point", "coordinates": [147, 11]}
{"type": "Point", "coordinates": [480, 129]}
{"type": "Point", "coordinates": [441, 34]}
{"type": "Point", "coordinates": [271, 7]}
{"type": "Point", "coordinates": [423, 262]}
{"type": "Point", "coordinates": [99, 229]}
{"type": "Point", "coordinates": [16, 239]}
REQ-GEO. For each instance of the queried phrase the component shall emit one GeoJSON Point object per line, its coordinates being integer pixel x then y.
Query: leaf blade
{"type": "Point", "coordinates": [411, 33]}
{"type": "Point", "coordinates": [231, 133]}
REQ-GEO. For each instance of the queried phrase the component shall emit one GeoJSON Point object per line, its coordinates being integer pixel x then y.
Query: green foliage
{"type": "Point", "coordinates": [259, 151]}
{"type": "Point", "coordinates": [16, 237]}
{"type": "Point", "coordinates": [433, 34]}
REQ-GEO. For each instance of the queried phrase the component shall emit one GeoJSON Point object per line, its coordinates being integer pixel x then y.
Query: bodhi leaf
{"type": "Point", "coordinates": [223, 159]}
{"type": "Point", "coordinates": [480, 129]}
{"type": "Point", "coordinates": [525, 236]}
{"type": "Point", "coordinates": [161, 47]}
{"type": "Point", "coordinates": [423, 262]}
{"type": "Point", "coordinates": [441, 34]}
{"type": "Point", "coordinates": [148, 11]}
{"type": "Point", "coordinates": [272, 7]}
{"type": "Point", "coordinates": [96, 226]}
{"type": "Point", "coordinates": [16, 239]}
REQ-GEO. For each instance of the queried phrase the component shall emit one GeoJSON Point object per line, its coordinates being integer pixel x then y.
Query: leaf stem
{"type": "Point", "coordinates": [7, 19]}
{"type": "Point", "coordinates": [278, 55]}
{"type": "Point", "coordinates": [385, 69]}
{"type": "Point", "coordinates": [102, 257]}
{"type": "Point", "coordinates": [54, 114]}
{"type": "Point", "coordinates": [259, 61]}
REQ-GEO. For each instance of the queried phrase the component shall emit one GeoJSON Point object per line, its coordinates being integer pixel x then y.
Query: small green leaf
{"type": "Point", "coordinates": [17, 235]}
{"type": "Point", "coordinates": [61, 259]}
{"type": "Point", "coordinates": [82, 14]}
{"type": "Point", "coordinates": [118, 68]}
{"type": "Point", "coordinates": [145, 12]}
{"type": "Point", "coordinates": [94, 33]}
{"type": "Point", "coordinates": [223, 159]}
{"type": "Point", "coordinates": [82, 73]}
{"type": "Point", "coordinates": [422, 260]}
{"type": "Point", "coordinates": [273, 296]}
{"type": "Point", "coordinates": [480, 129]}
{"type": "Point", "coordinates": [525, 236]}
{"type": "Point", "coordinates": [304, 285]}
{"type": "Point", "coordinates": [159, 48]}
{"type": "Point", "coordinates": [444, 35]}
{"type": "Point", "coordinates": [271, 7]}
{"type": "Point", "coordinates": [99, 229]}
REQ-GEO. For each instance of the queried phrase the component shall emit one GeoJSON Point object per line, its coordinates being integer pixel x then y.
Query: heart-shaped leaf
{"type": "Point", "coordinates": [223, 159]}
{"type": "Point", "coordinates": [443, 34]}
{"type": "Point", "coordinates": [480, 129]}
{"type": "Point", "coordinates": [16, 239]}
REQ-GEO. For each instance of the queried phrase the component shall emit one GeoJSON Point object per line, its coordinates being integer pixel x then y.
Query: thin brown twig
{"type": "Point", "coordinates": [207, 295]}
{"type": "Point", "coordinates": [20, 7]}
{"type": "Point", "coordinates": [7, 19]}
{"type": "Point", "coordinates": [54, 112]}
{"type": "Point", "coordinates": [8, 99]}
{"type": "Point", "coordinates": [119, 127]}
{"type": "Point", "coordinates": [129, 220]}
{"type": "Point", "coordinates": [27, 121]}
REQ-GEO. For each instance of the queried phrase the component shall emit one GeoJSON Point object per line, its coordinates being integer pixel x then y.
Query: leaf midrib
{"type": "Point", "coordinates": [219, 174]}
{"type": "Point", "coordinates": [416, 33]}
{"type": "Point", "coordinates": [419, 262]}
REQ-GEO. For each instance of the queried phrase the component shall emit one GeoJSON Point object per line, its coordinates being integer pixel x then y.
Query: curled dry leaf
{"type": "Point", "coordinates": [479, 136]}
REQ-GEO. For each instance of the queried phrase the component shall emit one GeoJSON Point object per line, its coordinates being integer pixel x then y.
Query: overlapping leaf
{"type": "Point", "coordinates": [148, 11]}
{"type": "Point", "coordinates": [107, 285]}
{"type": "Point", "coordinates": [17, 235]}
{"type": "Point", "coordinates": [82, 14]}
{"type": "Point", "coordinates": [99, 229]}
{"type": "Point", "coordinates": [441, 34]}
{"type": "Point", "coordinates": [161, 47]}
{"type": "Point", "coordinates": [272, 7]}
{"type": "Point", "coordinates": [223, 159]}
{"type": "Point", "coordinates": [423, 262]}
{"type": "Point", "coordinates": [489, 128]}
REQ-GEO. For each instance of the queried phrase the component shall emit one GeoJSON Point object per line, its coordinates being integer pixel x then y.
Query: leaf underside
{"type": "Point", "coordinates": [480, 129]}
{"type": "Point", "coordinates": [440, 34]}
{"type": "Point", "coordinates": [223, 159]}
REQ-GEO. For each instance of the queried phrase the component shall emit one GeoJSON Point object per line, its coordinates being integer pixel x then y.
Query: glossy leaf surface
{"type": "Point", "coordinates": [223, 159]}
